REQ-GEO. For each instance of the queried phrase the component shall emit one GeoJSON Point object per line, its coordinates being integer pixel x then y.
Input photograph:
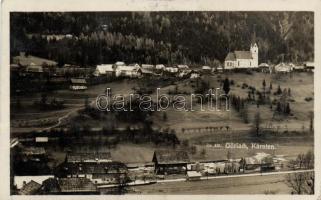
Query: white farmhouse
{"type": "Point", "coordinates": [104, 69]}
{"type": "Point", "coordinates": [132, 71]}
{"type": "Point", "coordinates": [242, 59]}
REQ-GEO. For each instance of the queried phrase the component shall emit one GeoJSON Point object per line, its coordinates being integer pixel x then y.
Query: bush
{"type": "Point", "coordinates": [308, 99]}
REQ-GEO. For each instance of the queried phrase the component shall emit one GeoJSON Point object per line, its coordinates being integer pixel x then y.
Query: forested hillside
{"type": "Point", "coordinates": [163, 37]}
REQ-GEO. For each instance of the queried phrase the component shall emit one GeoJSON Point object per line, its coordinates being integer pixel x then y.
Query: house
{"type": "Point", "coordinates": [182, 67]}
{"type": "Point", "coordinates": [78, 84]}
{"type": "Point", "coordinates": [195, 74]}
{"type": "Point", "coordinates": [283, 68]}
{"type": "Point", "coordinates": [105, 69]}
{"type": "Point", "coordinates": [309, 66]}
{"type": "Point", "coordinates": [97, 172]}
{"type": "Point", "coordinates": [27, 60]}
{"type": "Point", "coordinates": [170, 161]}
{"type": "Point", "coordinates": [131, 71]}
{"type": "Point", "coordinates": [219, 69]}
{"type": "Point", "coordinates": [88, 157]}
{"type": "Point", "coordinates": [206, 69]}
{"type": "Point", "coordinates": [30, 188]}
{"type": "Point", "coordinates": [193, 176]}
{"type": "Point", "coordinates": [160, 67]}
{"type": "Point", "coordinates": [36, 154]}
{"type": "Point", "coordinates": [265, 68]}
{"type": "Point", "coordinates": [69, 186]}
{"type": "Point", "coordinates": [148, 66]}
{"type": "Point", "coordinates": [171, 69]}
{"type": "Point", "coordinates": [242, 59]}
{"type": "Point", "coordinates": [147, 72]}
{"type": "Point", "coordinates": [298, 68]}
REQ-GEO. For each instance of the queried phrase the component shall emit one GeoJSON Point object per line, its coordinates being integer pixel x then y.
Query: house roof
{"type": "Point", "coordinates": [170, 157]}
{"type": "Point", "coordinates": [30, 188]}
{"type": "Point", "coordinates": [93, 168]}
{"type": "Point", "coordinates": [76, 185]}
{"type": "Point", "coordinates": [102, 69]}
{"type": "Point", "coordinates": [147, 66]}
{"type": "Point", "coordinates": [128, 68]}
{"type": "Point", "coordinates": [51, 185]}
{"type": "Point", "coordinates": [28, 60]}
{"type": "Point", "coordinates": [182, 67]}
{"type": "Point", "coordinates": [230, 57]}
{"type": "Point", "coordinates": [83, 157]}
{"type": "Point", "coordinates": [206, 68]}
{"type": "Point", "coordinates": [78, 80]}
{"type": "Point", "coordinates": [160, 66]}
{"type": "Point", "coordinates": [147, 71]}
{"type": "Point", "coordinates": [119, 63]}
{"type": "Point", "coordinates": [34, 151]}
{"type": "Point", "coordinates": [263, 65]}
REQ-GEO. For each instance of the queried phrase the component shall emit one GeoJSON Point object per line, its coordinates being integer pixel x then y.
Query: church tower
{"type": "Point", "coordinates": [255, 55]}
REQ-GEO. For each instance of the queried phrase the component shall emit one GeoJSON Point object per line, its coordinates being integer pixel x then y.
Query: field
{"type": "Point", "coordinates": [241, 185]}
{"type": "Point", "coordinates": [197, 121]}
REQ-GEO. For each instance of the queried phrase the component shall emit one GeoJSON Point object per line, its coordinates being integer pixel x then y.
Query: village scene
{"type": "Point", "coordinates": [258, 139]}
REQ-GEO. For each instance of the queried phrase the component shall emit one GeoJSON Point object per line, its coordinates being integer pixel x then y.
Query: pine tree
{"type": "Point", "coordinates": [226, 86]}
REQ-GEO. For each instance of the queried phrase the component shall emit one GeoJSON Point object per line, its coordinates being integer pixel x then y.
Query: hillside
{"type": "Point", "coordinates": [162, 37]}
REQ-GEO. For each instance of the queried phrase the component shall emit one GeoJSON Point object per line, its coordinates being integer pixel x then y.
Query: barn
{"type": "Point", "coordinates": [170, 161]}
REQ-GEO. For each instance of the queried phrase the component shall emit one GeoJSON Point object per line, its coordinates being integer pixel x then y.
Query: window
{"type": "Point", "coordinates": [238, 63]}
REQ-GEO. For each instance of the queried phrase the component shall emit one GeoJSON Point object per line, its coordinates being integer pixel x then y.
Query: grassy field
{"type": "Point", "coordinates": [241, 185]}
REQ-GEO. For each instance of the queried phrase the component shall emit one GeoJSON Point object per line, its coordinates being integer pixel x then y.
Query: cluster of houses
{"type": "Point", "coordinates": [120, 69]}
{"type": "Point", "coordinates": [87, 173]}
{"type": "Point", "coordinates": [28, 65]}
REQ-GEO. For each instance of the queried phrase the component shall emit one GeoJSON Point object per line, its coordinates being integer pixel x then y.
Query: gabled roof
{"type": "Point", "coordinates": [30, 188]}
{"type": "Point", "coordinates": [147, 71]}
{"type": "Point", "coordinates": [243, 54]}
{"type": "Point", "coordinates": [51, 185]}
{"type": "Point", "coordinates": [85, 157]}
{"type": "Point", "coordinates": [128, 68]}
{"type": "Point", "coordinates": [78, 80]}
{"type": "Point", "coordinates": [33, 151]}
{"type": "Point", "coordinates": [28, 60]}
{"type": "Point", "coordinates": [170, 157]}
{"type": "Point", "coordinates": [93, 168]}
{"type": "Point", "coordinates": [102, 69]}
{"type": "Point", "coordinates": [182, 67]}
{"type": "Point", "coordinates": [230, 57]}
{"type": "Point", "coordinates": [147, 66]}
{"type": "Point", "coordinates": [76, 185]}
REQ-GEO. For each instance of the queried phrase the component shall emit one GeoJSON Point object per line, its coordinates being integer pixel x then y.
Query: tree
{"type": "Point", "coordinates": [86, 103]}
{"type": "Point", "coordinates": [271, 87]}
{"type": "Point", "coordinates": [244, 114]}
{"type": "Point", "coordinates": [311, 117]}
{"type": "Point", "coordinates": [226, 86]}
{"type": "Point", "coordinates": [279, 90]}
{"type": "Point", "coordinates": [164, 117]}
{"type": "Point", "coordinates": [203, 152]}
{"type": "Point", "coordinates": [257, 123]}
{"type": "Point", "coordinates": [301, 183]}
{"type": "Point", "coordinates": [44, 98]}
{"type": "Point", "coordinates": [287, 109]}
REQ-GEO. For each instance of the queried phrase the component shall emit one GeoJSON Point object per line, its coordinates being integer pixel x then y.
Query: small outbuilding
{"type": "Point", "coordinates": [78, 84]}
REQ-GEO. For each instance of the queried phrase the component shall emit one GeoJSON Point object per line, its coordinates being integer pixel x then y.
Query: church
{"type": "Point", "coordinates": [242, 59]}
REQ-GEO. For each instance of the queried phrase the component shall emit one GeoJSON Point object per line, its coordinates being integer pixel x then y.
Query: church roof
{"type": "Point", "coordinates": [232, 56]}
{"type": "Point", "coordinates": [243, 54]}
